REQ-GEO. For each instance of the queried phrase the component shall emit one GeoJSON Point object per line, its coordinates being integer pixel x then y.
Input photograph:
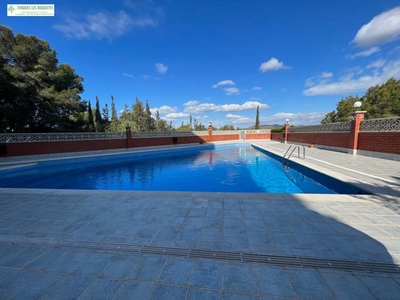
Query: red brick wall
{"type": "Point", "coordinates": [333, 139]}
{"type": "Point", "coordinates": [163, 141]}
{"type": "Point", "coordinates": [225, 137]}
{"type": "Point", "coordinates": [387, 142]}
{"type": "Point", "coordinates": [18, 149]}
{"type": "Point", "coordinates": [277, 136]}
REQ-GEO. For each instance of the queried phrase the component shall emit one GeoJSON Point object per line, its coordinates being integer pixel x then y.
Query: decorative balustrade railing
{"type": "Point", "coordinates": [225, 132]}
{"type": "Point", "coordinates": [167, 134]}
{"type": "Point", "coordinates": [89, 136]}
{"type": "Point", "coordinates": [254, 131]}
{"type": "Point", "coordinates": [384, 124]}
{"type": "Point", "coordinates": [332, 127]}
{"type": "Point", "coordinates": [59, 137]}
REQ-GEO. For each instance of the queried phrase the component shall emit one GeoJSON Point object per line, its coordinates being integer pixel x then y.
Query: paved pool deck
{"type": "Point", "coordinates": [70, 244]}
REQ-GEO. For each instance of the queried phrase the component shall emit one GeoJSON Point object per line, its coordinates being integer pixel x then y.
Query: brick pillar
{"type": "Point", "coordinates": [358, 116]}
{"type": "Point", "coordinates": [128, 137]}
{"type": "Point", "coordinates": [210, 133]}
{"type": "Point", "coordinates": [286, 132]}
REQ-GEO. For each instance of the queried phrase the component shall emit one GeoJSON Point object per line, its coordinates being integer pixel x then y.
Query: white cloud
{"type": "Point", "coordinates": [256, 88]}
{"type": "Point", "coordinates": [195, 107]}
{"type": "Point", "coordinates": [200, 117]}
{"type": "Point", "coordinates": [164, 110]}
{"type": "Point", "coordinates": [349, 84]}
{"type": "Point", "coordinates": [224, 82]}
{"type": "Point", "coordinates": [323, 78]}
{"type": "Point", "coordinates": [365, 53]}
{"type": "Point", "coordinates": [326, 75]}
{"type": "Point", "coordinates": [146, 76]}
{"type": "Point", "coordinates": [382, 29]}
{"type": "Point", "coordinates": [294, 118]}
{"type": "Point", "coordinates": [377, 64]}
{"type": "Point", "coordinates": [127, 75]}
{"type": "Point", "coordinates": [101, 25]}
{"type": "Point", "coordinates": [395, 49]}
{"type": "Point", "coordinates": [272, 65]}
{"type": "Point", "coordinates": [161, 68]}
{"type": "Point", "coordinates": [243, 120]}
{"type": "Point", "coordinates": [176, 115]}
{"type": "Point", "coordinates": [310, 82]}
{"type": "Point", "coordinates": [230, 116]}
{"type": "Point", "coordinates": [232, 91]}
{"type": "Point", "coordinates": [191, 103]}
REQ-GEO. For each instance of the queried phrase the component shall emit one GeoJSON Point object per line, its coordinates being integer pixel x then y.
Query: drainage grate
{"type": "Point", "coordinates": [119, 247]}
{"type": "Point", "coordinates": [331, 264]}
{"type": "Point", "coordinates": [221, 255]}
{"type": "Point", "coordinates": [165, 251]}
{"type": "Point", "coordinates": [75, 244]}
{"type": "Point", "coordinates": [381, 267]}
{"type": "Point", "coordinates": [279, 260]}
{"type": "Point", "coordinates": [271, 259]}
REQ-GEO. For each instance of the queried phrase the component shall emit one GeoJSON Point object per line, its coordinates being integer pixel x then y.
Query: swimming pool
{"type": "Point", "coordinates": [225, 168]}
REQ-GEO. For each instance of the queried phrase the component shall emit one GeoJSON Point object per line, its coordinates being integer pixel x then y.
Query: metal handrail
{"type": "Point", "coordinates": [298, 154]}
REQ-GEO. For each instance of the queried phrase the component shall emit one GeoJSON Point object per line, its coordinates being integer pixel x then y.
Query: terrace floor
{"type": "Point", "coordinates": [69, 244]}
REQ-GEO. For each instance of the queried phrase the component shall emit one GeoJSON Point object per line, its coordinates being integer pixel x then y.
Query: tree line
{"type": "Point", "coordinates": [380, 101]}
{"type": "Point", "coordinates": [38, 94]}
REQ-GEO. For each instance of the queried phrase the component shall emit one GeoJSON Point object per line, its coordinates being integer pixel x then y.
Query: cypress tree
{"type": "Point", "coordinates": [91, 121]}
{"type": "Point", "coordinates": [114, 116]}
{"type": "Point", "coordinates": [257, 126]}
{"type": "Point", "coordinates": [99, 121]}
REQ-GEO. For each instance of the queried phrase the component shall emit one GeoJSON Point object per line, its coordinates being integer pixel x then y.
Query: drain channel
{"type": "Point", "coordinates": [278, 260]}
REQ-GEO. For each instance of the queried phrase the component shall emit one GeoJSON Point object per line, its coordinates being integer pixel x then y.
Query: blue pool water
{"type": "Point", "coordinates": [228, 168]}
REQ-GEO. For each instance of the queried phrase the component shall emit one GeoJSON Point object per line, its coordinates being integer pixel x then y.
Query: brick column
{"type": "Point", "coordinates": [286, 132]}
{"type": "Point", "coordinates": [358, 116]}
{"type": "Point", "coordinates": [128, 137]}
{"type": "Point", "coordinates": [210, 133]}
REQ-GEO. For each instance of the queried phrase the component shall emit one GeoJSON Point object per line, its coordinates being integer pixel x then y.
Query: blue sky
{"type": "Point", "coordinates": [218, 60]}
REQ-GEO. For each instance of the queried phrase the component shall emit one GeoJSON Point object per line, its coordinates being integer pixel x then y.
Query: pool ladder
{"type": "Point", "coordinates": [286, 160]}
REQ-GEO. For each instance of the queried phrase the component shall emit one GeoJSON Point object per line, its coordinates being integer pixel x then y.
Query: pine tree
{"type": "Point", "coordinates": [257, 126]}
{"type": "Point", "coordinates": [37, 94]}
{"type": "Point", "coordinates": [161, 124]}
{"type": "Point", "coordinates": [150, 122]}
{"type": "Point", "coordinates": [138, 115]}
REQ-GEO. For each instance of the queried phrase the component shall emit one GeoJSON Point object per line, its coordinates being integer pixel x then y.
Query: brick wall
{"type": "Point", "coordinates": [225, 137]}
{"type": "Point", "coordinates": [332, 139]}
{"type": "Point", "coordinates": [386, 142]}
{"type": "Point", "coordinates": [277, 137]}
{"type": "Point", "coordinates": [257, 136]}
{"type": "Point", "coordinates": [35, 148]}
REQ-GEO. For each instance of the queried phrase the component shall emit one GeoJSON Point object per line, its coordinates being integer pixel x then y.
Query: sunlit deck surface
{"type": "Point", "coordinates": [73, 244]}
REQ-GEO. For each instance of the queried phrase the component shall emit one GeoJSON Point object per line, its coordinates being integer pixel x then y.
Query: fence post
{"type": "Point", "coordinates": [286, 131]}
{"type": "Point", "coordinates": [128, 137]}
{"type": "Point", "coordinates": [358, 116]}
{"type": "Point", "coordinates": [210, 131]}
